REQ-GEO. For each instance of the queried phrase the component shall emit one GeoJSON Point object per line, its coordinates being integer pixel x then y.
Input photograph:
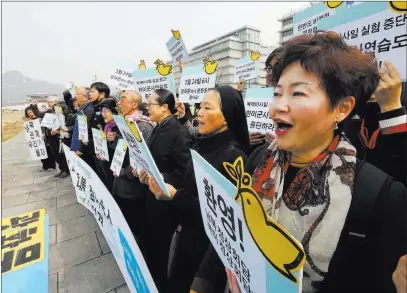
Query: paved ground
{"type": "Point", "coordinates": [80, 260]}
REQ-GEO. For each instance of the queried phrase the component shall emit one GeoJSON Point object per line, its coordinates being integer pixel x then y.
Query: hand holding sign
{"type": "Point", "coordinates": [388, 92]}
{"type": "Point", "coordinates": [160, 194]}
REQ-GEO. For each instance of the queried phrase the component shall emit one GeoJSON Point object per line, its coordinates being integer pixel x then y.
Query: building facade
{"type": "Point", "coordinates": [287, 24]}
{"type": "Point", "coordinates": [227, 49]}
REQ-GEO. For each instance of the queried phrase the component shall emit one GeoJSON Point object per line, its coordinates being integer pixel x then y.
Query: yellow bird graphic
{"type": "Point", "coordinates": [333, 4]}
{"type": "Point", "coordinates": [399, 7]}
{"type": "Point", "coordinates": [254, 55]}
{"type": "Point", "coordinates": [84, 118]}
{"type": "Point", "coordinates": [210, 66]}
{"type": "Point", "coordinates": [142, 65]}
{"type": "Point", "coordinates": [276, 244]}
{"type": "Point", "coordinates": [133, 129]}
{"type": "Point", "coordinates": [102, 133]}
{"type": "Point", "coordinates": [176, 34]}
{"type": "Point", "coordinates": [124, 146]}
{"type": "Point", "coordinates": [163, 69]}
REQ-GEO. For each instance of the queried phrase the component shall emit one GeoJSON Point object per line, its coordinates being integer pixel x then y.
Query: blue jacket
{"type": "Point", "coordinates": [76, 143]}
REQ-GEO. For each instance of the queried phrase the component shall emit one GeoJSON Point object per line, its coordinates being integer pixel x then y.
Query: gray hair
{"type": "Point", "coordinates": [52, 99]}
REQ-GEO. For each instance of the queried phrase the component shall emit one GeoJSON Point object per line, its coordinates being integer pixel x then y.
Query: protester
{"type": "Point", "coordinates": [70, 118]}
{"type": "Point", "coordinates": [222, 138]}
{"type": "Point", "coordinates": [257, 138]}
{"type": "Point", "coordinates": [169, 146]}
{"type": "Point", "coordinates": [128, 192]}
{"type": "Point", "coordinates": [108, 108]}
{"type": "Point", "coordinates": [312, 99]}
{"type": "Point", "coordinates": [86, 107]}
{"type": "Point", "coordinates": [379, 131]}
{"type": "Point", "coordinates": [31, 113]}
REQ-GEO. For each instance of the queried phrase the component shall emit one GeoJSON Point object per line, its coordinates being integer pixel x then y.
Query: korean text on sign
{"type": "Point", "coordinates": [60, 116]}
{"type": "Point", "coordinates": [373, 28]}
{"type": "Point", "coordinates": [257, 105]}
{"type": "Point", "coordinates": [22, 240]}
{"type": "Point", "coordinates": [118, 157]}
{"type": "Point", "coordinates": [83, 128]}
{"type": "Point", "coordinates": [49, 121]}
{"type": "Point", "coordinates": [177, 49]}
{"type": "Point", "coordinates": [148, 80]}
{"type": "Point", "coordinates": [100, 142]}
{"type": "Point", "coordinates": [36, 143]}
{"type": "Point", "coordinates": [122, 79]}
{"type": "Point", "coordinates": [195, 83]}
{"type": "Point", "coordinates": [246, 69]}
{"type": "Point", "coordinates": [224, 224]}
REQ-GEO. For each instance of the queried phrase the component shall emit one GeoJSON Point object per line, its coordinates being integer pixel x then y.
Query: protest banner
{"type": "Point", "coordinates": [247, 68]}
{"type": "Point", "coordinates": [196, 81]}
{"type": "Point", "coordinates": [92, 193]}
{"type": "Point", "coordinates": [121, 78]}
{"type": "Point", "coordinates": [118, 157]}
{"type": "Point", "coordinates": [60, 116]}
{"type": "Point", "coordinates": [150, 79]}
{"type": "Point", "coordinates": [140, 156]}
{"type": "Point", "coordinates": [257, 106]}
{"type": "Point", "coordinates": [374, 28]}
{"type": "Point", "coordinates": [82, 127]}
{"type": "Point", "coordinates": [100, 142]}
{"type": "Point", "coordinates": [49, 121]}
{"type": "Point", "coordinates": [263, 255]}
{"type": "Point", "coordinates": [177, 48]}
{"type": "Point", "coordinates": [306, 21]}
{"type": "Point", "coordinates": [24, 252]}
{"type": "Point", "coordinates": [36, 143]}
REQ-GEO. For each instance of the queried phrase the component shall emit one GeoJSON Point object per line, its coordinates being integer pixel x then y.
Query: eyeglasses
{"type": "Point", "coordinates": [152, 104]}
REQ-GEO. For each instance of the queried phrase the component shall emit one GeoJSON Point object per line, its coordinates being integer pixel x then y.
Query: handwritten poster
{"type": "Point", "coordinates": [36, 143]}
{"type": "Point", "coordinates": [49, 121]}
{"type": "Point", "coordinates": [100, 142]}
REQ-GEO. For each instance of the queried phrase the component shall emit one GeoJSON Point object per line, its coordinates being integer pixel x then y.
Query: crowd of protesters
{"type": "Point", "coordinates": [337, 158]}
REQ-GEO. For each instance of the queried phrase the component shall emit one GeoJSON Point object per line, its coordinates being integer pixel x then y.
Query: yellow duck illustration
{"type": "Point", "coordinates": [163, 69]}
{"type": "Point", "coordinates": [84, 118]}
{"type": "Point", "coordinates": [176, 34]}
{"type": "Point", "coordinates": [254, 55]}
{"type": "Point", "coordinates": [142, 65]}
{"type": "Point", "coordinates": [133, 129]}
{"type": "Point", "coordinates": [280, 249]}
{"type": "Point", "coordinates": [210, 66]}
{"type": "Point", "coordinates": [102, 133]}
{"type": "Point", "coordinates": [124, 146]}
{"type": "Point", "coordinates": [333, 4]}
{"type": "Point", "coordinates": [398, 6]}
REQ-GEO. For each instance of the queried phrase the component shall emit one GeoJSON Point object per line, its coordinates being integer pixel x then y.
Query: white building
{"type": "Point", "coordinates": [227, 49]}
{"type": "Point", "coordinates": [287, 26]}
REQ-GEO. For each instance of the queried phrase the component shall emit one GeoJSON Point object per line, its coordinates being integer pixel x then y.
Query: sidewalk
{"type": "Point", "coordinates": [79, 257]}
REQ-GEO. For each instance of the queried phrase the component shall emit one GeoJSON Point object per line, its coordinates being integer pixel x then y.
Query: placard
{"type": "Point", "coordinates": [83, 128]}
{"type": "Point", "coordinates": [247, 68]}
{"type": "Point", "coordinates": [257, 106]}
{"type": "Point", "coordinates": [374, 28]}
{"type": "Point", "coordinates": [196, 81]}
{"type": "Point", "coordinates": [118, 157]}
{"type": "Point", "coordinates": [261, 253]}
{"type": "Point", "coordinates": [122, 78]}
{"type": "Point", "coordinates": [176, 47]}
{"type": "Point", "coordinates": [92, 193]}
{"type": "Point", "coordinates": [150, 79]}
{"type": "Point", "coordinates": [100, 142]}
{"type": "Point", "coordinates": [60, 116]}
{"type": "Point", "coordinates": [36, 143]}
{"type": "Point", "coordinates": [24, 252]}
{"type": "Point", "coordinates": [49, 121]}
{"type": "Point", "coordinates": [138, 150]}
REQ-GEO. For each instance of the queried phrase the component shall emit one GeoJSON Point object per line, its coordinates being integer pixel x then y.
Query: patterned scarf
{"type": "Point", "coordinates": [315, 205]}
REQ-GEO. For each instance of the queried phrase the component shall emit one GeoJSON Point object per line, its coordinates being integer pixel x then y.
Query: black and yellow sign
{"type": "Point", "coordinates": [22, 240]}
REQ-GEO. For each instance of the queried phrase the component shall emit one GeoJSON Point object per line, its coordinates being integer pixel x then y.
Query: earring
{"type": "Point", "coordinates": [336, 125]}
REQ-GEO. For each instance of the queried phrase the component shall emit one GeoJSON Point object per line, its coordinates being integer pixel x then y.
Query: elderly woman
{"type": "Point", "coordinates": [349, 216]}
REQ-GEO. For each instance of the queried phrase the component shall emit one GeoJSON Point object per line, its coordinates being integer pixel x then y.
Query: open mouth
{"type": "Point", "coordinates": [282, 127]}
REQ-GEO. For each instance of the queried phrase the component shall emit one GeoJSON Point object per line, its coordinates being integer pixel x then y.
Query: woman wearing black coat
{"type": "Point", "coordinates": [222, 138]}
{"type": "Point", "coordinates": [169, 146]}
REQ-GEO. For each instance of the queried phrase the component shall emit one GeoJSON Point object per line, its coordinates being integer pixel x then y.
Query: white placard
{"type": "Point", "coordinates": [118, 157]}
{"type": "Point", "coordinates": [36, 143]}
{"type": "Point", "coordinates": [177, 48]}
{"type": "Point", "coordinates": [195, 83]}
{"type": "Point", "coordinates": [257, 106]}
{"type": "Point", "coordinates": [247, 68]}
{"type": "Point", "coordinates": [49, 121]}
{"type": "Point", "coordinates": [60, 116]}
{"type": "Point", "coordinates": [122, 79]}
{"type": "Point", "coordinates": [100, 142]}
{"type": "Point", "coordinates": [83, 128]}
